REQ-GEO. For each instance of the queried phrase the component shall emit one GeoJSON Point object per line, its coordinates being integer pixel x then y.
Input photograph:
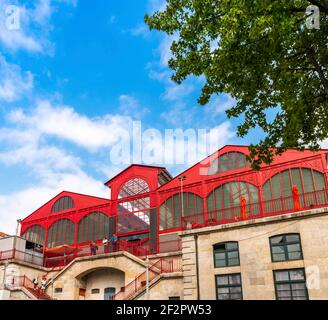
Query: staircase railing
{"type": "Point", "coordinates": [163, 265]}
{"type": "Point", "coordinates": [24, 281]}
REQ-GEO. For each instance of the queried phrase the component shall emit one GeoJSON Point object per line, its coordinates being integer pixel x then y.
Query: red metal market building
{"type": "Point", "coordinates": [148, 207]}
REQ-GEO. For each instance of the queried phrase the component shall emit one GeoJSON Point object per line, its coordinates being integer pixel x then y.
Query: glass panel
{"type": "Point", "coordinates": [214, 168]}
{"type": "Point", "coordinates": [278, 249]}
{"type": "Point", "coordinates": [319, 180]}
{"type": "Point", "coordinates": [220, 263]}
{"type": "Point", "coordinates": [233, 261]}
{"type": "Point", "coordinates": [278, 239]}
{"type": "Point", "coordinates": [276, 186]}
{"type": "Point", "coordinates": [241, 160]}
{"type": "Point", "coordinates": [231, 245]}
{"type": "Point", "coordinates": [267, 191]}
{"type": "Point", "coordinates": [296, 176]}
{"type": "Point", "coordinates": [234, 279]}
{"type": "Point", "coordinates": [307, 180]}
{"type": "Point", "coordinates": [278, 257]}
{"type": "Point", "coordinates": [281, 275]}
{"type": "Point", "coordinates": [286, 184]}
{"type": "Point", "coordinates": [224, 163]}
{"type": "Point", "coordinates": [222, 280]}
{"type": "Point", "coordinates": [296, 274]}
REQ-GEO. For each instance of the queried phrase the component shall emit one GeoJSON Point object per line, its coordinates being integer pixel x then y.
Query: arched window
{"type": "Point", "coordinates": [133, 187]}
{"type": "Point", "coordinates": [280, 186]}
{"type": "Point", "coordinates": [171, 209]}
{"type": "Point", "coordinates": [228, 161]}
{"type": "Point", "coordinates": [35, 234]}
{"type": "Point", "coordinates": [60, 233]}
{"type": "Point", "coordinates": [94, 226]}
{"type": "Point", "coordinates": [63, 203]}
{"type": "Point", "coordinates": [224, 202]}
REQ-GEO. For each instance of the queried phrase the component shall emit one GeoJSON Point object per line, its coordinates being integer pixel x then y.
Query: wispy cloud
{"type": "Point", "coordinates": [13, 82]}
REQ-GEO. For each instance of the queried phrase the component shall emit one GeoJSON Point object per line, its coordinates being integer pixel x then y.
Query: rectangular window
{"type": "Point", "coordinates": [95, 291]}
{"type": "Point", "coordinates": [228, 287]}
{"type": "Point", "coordinates": [286, 247]}
{"type": "Point", "coordinates": [290, 284]}
{"type": "Point", "coordinates": [226, 255]}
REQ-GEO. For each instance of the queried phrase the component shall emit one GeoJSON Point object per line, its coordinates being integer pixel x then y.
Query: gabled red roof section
{"type": "Point", "coordinates": [145, 172]}
{"type": "Point", "coordinates": [80, 201]}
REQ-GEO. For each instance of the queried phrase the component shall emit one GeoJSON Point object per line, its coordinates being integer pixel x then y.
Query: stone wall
{"type": "Point", "coordinates": [256, 267]}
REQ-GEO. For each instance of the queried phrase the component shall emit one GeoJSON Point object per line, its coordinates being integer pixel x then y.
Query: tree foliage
{"type": "Point", "coordinates": [261, 53]}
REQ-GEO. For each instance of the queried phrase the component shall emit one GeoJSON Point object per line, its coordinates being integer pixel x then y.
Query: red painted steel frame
{"type": "Point", "coordinates": [197, 181]}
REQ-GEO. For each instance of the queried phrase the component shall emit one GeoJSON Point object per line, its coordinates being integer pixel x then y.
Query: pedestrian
{"type": "Point", "coordinates": [35, 283]}
{"type": "Point", "coordinates": [114, 242]}
{"type": "Point", "coordinates": [93, 248]}
{"type": "Point", "coordinates": [43, 285]}
{"type": "Point", "coordinates": [106, 245]}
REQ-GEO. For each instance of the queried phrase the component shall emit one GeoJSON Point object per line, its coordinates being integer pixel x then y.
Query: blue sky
{"type": "Point", "coordinates": [73, 76]}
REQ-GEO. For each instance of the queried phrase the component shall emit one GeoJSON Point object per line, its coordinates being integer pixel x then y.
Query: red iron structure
{"type": "Point", "coordinates": [147, 203]}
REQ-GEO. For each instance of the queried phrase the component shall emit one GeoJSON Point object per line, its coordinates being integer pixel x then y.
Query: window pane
{"type": "Point", "coordinates": [275, 240]}
{"type": "Point", "coordinates": [296, 275]}
{"type": "Point", "coordinates": [286, 184]}
{"type": "Point", "coordinates": [234, 279]}
{"type": "Point", "coordinates": [231, 246]}
{"type": "Point", "coordinates": [278, 250]}
{"type": "Point", "coordinates": [224, 163]}
{"type": "Point", "coordinates": [296, 176]}
{"type": "Point", "coordinates": [279, 257]}
{"type": "Point", "coordinates": [222, 280]}
{"type": "Point", "coordinates": [307, 180]}
{"type": "Point", "coordinates": [292, 238]}
{"type": "Point", "coordinates": [281, 276]}
{"type": "Point", "coordinates": [319, 180]}
{"type": "Point", "coordinates": [276, 186]}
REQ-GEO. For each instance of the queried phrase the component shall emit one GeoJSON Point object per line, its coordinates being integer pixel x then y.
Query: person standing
{"type": "Point", "coordinates": [93, 248]}
{"type": "Point", "coordinates": [114, 242]}
{"type": "Point", "coordinates": [43, 285]}
{"type": "Point", "coordinates": [106, 245]}
{"type": "Point", "coordinates": [35, 283]}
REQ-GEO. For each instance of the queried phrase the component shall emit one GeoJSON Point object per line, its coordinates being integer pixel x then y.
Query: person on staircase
{"type": "Point", "coordinates": [43, 285]}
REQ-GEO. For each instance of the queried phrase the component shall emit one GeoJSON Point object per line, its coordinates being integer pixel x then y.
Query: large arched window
{"type": "Point", "coordinates": [224, 202]}
{"type": "Point", "coordinates": [63, 203]}
{"type": "Point", "coordinates": [60, 233]}
{"type": "Point", "coordinates": [228, 161]}
{"type": "Point", "coordinates": [309, 183]}
{"type": "Point", "coordinates": [94, 226]}
{"type": "Point", "coordinates": [171, 209]}
{"type": "Point", "coordinates": [133, 187]}
{"type": "Point", "coordinates": [133, 215]}
{"type": "Point", "coordinates": [35, 234]}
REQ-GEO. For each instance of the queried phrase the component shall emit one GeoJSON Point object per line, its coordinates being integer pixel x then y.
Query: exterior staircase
{"type": "Point", "coordinates": [25, 282]}
{"type": "Point", "coordinates": [155, 270]}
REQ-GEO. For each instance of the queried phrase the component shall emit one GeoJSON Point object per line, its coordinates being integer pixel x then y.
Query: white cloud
{"type": "Point", "coordinates": [65, 123]}
{"type": "Point", "coordinates": [219, 104]}
{"type": "Point", "coordinates": [156, 5]}
{"type": "Point", "coordinates": [141, 30]}
{"type": "Point", "coordinates": [13, 82]}
{"type": "Point", "coordinates": [175, 92]}
{"type": "Point", "coordinates": [130, 107]}
{"type": "Point", "coordinates": [34, 24]}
